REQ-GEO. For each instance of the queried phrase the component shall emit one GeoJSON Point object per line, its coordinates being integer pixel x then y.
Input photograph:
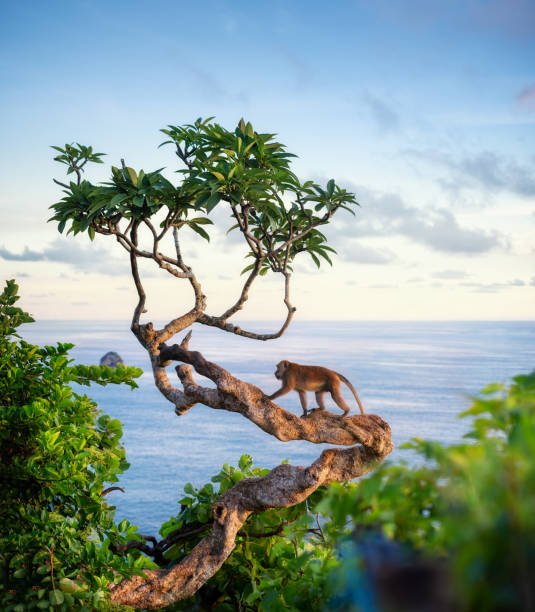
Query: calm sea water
{"type": "Point", "coordinates": [418, 376]}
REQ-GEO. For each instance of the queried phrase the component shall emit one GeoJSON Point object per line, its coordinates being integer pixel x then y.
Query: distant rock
{"type": "Point", "coordinates": [111, 359]}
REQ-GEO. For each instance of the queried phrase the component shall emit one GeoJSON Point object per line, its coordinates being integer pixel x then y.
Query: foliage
{"type": "Point", "coordinates": [56, 452]}
{"type": "Point", "coordinates": [246, 170]}
{"type": "Point", "coordinates": [280, 560]}
{"type": "Point", "coordinates": [471, 502]}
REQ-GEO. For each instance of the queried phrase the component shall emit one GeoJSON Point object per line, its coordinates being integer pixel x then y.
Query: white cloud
{"type": "Point", "coordinates": [387, 214]}
{"type": "Point", "coordinates": [84, 259]}
{"type": "Point", "coordinates": [486, 170]}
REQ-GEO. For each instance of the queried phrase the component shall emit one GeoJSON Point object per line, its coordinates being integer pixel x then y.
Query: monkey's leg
{"type": "Point", "coordinates": [304, 402]}
{"type": "Point", "coordinates": [320, 398]}
{"type": "Point", "coordinates": [340, 402]}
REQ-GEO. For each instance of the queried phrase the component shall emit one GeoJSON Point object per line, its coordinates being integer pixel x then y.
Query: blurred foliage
{"type": "Point", "coordinates": [471, 504]}
{"type": "Point", "coordinates": [56, 453]}
{"type": "Point", "coordinates": [247, 171]}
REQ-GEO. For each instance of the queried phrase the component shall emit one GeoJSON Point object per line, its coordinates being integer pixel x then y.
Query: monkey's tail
{"type": "Point", "coordinates": [344, 379]}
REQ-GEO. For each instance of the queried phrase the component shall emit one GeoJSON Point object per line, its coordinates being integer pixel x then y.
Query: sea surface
{"type": "Point", "coordinates": [417, 375]}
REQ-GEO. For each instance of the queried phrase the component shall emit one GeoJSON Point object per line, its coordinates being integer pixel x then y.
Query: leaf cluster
{"type": "Point", "coordinates": [244, 170]}
{"type": "Point", "coordinates": [57, 451]}
{"type": "Point", "coordinates": [76, 156]}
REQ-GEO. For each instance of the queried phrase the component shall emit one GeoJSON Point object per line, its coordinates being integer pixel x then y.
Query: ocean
{"type": "Point", "coordinates": [417, 375]}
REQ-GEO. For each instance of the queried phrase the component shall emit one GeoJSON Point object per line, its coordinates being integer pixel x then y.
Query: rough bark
{"type": "Point", "coordinates": [284, 486]}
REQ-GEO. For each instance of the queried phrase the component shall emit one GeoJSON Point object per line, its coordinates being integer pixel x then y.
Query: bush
{"type": "Point", "coordinates": [280, 560]}
{"type": "Point", "coordinates": [56, 453]}
{"type": "Point", "coordinates": [470, 505]}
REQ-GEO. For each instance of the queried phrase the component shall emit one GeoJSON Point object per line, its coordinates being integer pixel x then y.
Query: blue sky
{"type": "Point", "coordinates": [425, 109]}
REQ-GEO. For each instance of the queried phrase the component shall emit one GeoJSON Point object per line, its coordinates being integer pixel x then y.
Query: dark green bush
{"type": "Point", "coordinates": [57, 451]}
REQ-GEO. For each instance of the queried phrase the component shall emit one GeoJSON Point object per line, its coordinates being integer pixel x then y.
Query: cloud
{"type": "Point", "coordinates": [382, 114]}
{"type": "Point", "coordinates": [450, 274]}
{"type": "Point", "coordinates": [441, 232]}
{"type": "Point", "coordinates": [494, 287]}
{"type": "Point", "coordinates": [437, 228]}
{"type": "Point", "coordinates": [527, 97]}
{"type": "Point", "coordinates": [367, 255]}
{"type": "Point", "coordinates": [85, 259]}
{"type": "Point", "coordinates": [382, 286]}
{"type": "Point", "coordinates": [485, 169]}
{"type": "Point", "coordinates": [507, 18]}
{"type": "Point", "coordinates": [300, 71]}
{"type": "Point", "coordinates": [26, 255]}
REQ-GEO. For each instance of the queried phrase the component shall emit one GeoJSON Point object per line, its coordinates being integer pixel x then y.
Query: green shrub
{"type": "Point", "coordinates": [472, 504]}
{"type": "Point", "coordinates": [56, 453]}
{"type": "Point", "coordinates": [281, 556]}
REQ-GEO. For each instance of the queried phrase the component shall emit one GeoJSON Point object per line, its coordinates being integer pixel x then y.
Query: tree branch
{"type": "Point", "coordinates": [284, 486]}
{"type": "Point", "coordinates": [221, 322]}
{"type": "Point", "coordinates": [140, 308]}
{"type": "Point", "coordinates": [61, 184]}
{"type": "Point", "coordinates": [244, 296]}
{"type": "Point", "coordinates": [235, 395]}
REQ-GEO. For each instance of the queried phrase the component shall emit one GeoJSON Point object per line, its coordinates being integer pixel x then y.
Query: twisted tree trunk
{"type": "Point", "coordinates": [286, 485]}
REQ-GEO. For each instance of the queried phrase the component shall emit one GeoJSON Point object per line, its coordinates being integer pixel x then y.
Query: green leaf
{"type": "Point", "coordinates": [330, 187]}
{"type": "Point", "coordinates": [201, 221]}
{"type": "Point", "coordinates": [132, 174]}
{"type": "Point", "coordinates": [245, 462]}
{"type": "Point", "coordinates": [199, 230]}
{"type": "Point", "coordinates": [117, 199]}
{"type": "Point", "coordinates": [56, 597]}
{"type": "Point", "coordinates": [68, 586]}
{"type": "Point", "coordinates": [189, 489]}
{"type": "Point", "coordinates": [212, 201]}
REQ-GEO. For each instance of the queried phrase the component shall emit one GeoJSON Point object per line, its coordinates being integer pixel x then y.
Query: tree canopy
{"type": "Point", "coordinates": [277, 215]}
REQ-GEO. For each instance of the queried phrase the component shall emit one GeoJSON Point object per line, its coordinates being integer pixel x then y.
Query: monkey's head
{"type": "Point", "coordinates": [281, 369]}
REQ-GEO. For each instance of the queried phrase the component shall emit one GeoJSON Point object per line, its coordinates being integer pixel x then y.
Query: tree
{"type": "Point", "coordinates": [279, 218]}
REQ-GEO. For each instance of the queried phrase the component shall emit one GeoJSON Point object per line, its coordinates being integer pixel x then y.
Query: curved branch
{"type": "Point", "coordinates": [284, 486]}
{"type": "Point", "coordinates": [244, 295]}
{"type": "Point", "coordinates": [140, 308]}
{"type": "Point", "coordinates": [235, 395]}
{"type": "Point", "coordinates": [221, 322]}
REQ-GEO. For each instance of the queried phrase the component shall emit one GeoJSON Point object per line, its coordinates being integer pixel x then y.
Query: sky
{"type": "Point", "coordinates": [425, 109]}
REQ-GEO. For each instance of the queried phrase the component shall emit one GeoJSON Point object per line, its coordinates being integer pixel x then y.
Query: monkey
{"type": "Point", "coordinates": [305, 378]}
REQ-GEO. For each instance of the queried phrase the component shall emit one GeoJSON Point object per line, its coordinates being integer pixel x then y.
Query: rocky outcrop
{"type": "Point", "coordinates": [111, 359]}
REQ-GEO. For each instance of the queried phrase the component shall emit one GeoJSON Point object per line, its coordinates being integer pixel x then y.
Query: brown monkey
{"type": "Point", "coordinates": [305, 378]}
